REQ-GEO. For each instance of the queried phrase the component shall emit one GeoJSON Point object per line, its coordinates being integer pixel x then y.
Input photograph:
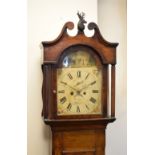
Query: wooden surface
{"type": "Point", "coordinates": [82, 134]}
{"type": "Point", "coordinates": [79, 142]}
{"type": "Point", "coordinates": [113, 91]}
{"type": "Point", "coordinates": [54, 52]}
{"type": "Point", "coordinates": [54, 49]}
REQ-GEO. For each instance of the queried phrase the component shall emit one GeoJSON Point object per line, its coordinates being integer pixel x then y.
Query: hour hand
{"type": "Point", "coordinates": [78, 83]}
{"type": "Point", "coordinates": [77, 91]}
{"type": "Point", "coordinates": [87, 85]}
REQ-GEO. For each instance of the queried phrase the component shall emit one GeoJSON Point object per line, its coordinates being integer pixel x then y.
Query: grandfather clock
{"type": "Point", "coordinates": [78, 75]}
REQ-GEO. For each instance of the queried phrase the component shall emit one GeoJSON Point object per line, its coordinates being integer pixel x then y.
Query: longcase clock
{"type": "Point", "coordinates": [78, 93]}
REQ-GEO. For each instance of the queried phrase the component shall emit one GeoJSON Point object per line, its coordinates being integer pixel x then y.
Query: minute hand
{"type": "Point", "coordinates": [69, 86]}
{"type": "Point", "coordinates": [87, 85]}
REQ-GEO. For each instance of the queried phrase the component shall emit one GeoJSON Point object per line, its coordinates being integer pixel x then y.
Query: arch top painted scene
{"type": "Point", "coordinates": [54, 49]}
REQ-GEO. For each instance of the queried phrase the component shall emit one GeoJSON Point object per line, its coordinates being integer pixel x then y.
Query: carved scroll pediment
{"type": "Point", "coordinates": [106, 50]}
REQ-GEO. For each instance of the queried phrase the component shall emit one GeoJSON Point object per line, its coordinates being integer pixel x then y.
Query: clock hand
{"type": "Point", "coordinates": [69, 86]}
{"type": "Point", "coordinates": [87, 85]}
{"type": "Point", "coordinates": [77, 91]}
{"type": "Point", "coordinates": [78, 83]}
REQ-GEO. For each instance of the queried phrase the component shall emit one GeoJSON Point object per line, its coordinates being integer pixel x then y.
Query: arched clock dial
{"type": "Point", "coordinates": [79, 88]}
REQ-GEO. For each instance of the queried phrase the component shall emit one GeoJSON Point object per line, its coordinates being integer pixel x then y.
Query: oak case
{"type": "Point", "coordinates": [78, 134]}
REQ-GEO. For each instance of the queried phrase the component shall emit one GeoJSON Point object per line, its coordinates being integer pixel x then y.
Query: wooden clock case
{"type": "Point", "coordinates": [78, 134]}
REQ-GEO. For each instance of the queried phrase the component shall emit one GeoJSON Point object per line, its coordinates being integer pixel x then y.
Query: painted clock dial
{"type": "Point", "coordinates": [79, 85]}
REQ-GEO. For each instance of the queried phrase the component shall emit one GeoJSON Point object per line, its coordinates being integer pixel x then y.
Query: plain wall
{"type": "Point", "coordinates": [45, 21]}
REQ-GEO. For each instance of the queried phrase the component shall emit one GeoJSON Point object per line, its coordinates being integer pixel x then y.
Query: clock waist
{"type": "Point", "coordinates": [79, 123]}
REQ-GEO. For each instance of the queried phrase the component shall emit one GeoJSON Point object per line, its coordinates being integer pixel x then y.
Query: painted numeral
{"type": "Point", "coordinates": [70, 76]}
{"type": "Point", "coordinates": [95, 91]}
{"type": "Point", "coordinates": [63, 82]}
{"type": "Point", "coordinates": [61, 91]}
{"type": "Point", "coordinates": [87, 106]}
{"type": "Point", "coordinates": [78, 109]}
{"type": "Point", "coordinates": [79, 74]}
{"type": "Point", "coordinates": [69, 106]}
{"type": "Point", "coordinates": [93, 82]}
{"type": "Point", "coordinates": [86, 76]}
{"type": "Point", "coordinates": [96, 72]}
{"type": "Point", "coordinates": [92, 100]}
{"type": "Point", "coordinates": [63, 100]}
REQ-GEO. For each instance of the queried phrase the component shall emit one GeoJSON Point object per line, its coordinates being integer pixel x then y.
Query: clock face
{"type": "Point", "coordinates": [79, 83]}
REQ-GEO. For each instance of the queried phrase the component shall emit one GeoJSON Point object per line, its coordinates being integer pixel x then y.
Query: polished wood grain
{"type": "Point", "coordinates": [78, 134]}
{"type": "Point", "coordinates": [79, 142]}
{"type": "Point", "coordinates": [113, 91]}
{"type": "Point", "coordinates": [54, 49]}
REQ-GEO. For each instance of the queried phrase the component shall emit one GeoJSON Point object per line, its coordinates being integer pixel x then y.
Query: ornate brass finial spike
{"type": "Point", "coordinates": [81, 22]}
